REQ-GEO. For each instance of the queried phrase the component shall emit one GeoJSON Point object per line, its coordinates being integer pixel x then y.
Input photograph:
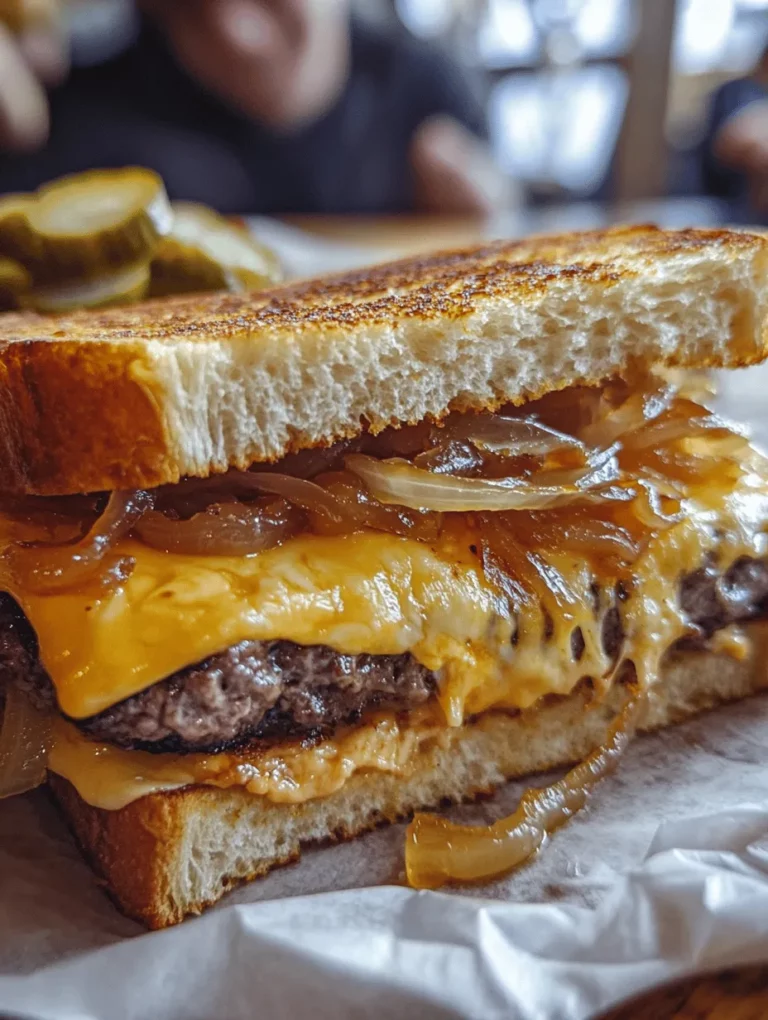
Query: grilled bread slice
{"type": "Point", "coordinates": [196, 385]}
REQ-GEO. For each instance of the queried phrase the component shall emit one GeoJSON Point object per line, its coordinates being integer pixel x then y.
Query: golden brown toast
{"type": "Point", "coordinates": [142, 395]}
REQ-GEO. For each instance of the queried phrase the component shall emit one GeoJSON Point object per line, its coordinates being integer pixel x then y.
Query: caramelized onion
{"type": "Point", "coordinates": [571, 410]}
{"type": "Point", "coordinates": [650, 510]}
{"type": "Point", "coordinates": [496, 569]}
{"type": "Point", "coordinates": [25, 737]}
{"type": "Point", "coordinates": [439, 851]}
{"type": "Point", "coordinates": [340, 505]}
{"type": "Point", "coordinates": [230, 529]}
{"type": "Point", "coordinates": [300, 492]}
{"type": "Point", "coordinates": [602, 468]}
{"type": "Point", "coordinates": [533, 487]}
{"type": "Point", "coordinates": [401, 442]}
{"type": "Point", "coordinates": [684, 469]}
{"type": "Point", "coordinates": [630, 415]}
{"type": "Point", "coordinates": [602, 539]}
{"type": "Point", "coordinates": [60, 518]}
{"type": "Point", "coordinates": [225, 488]}
{"type": "Point", "coordinates": [398, 481]}
{"type": "Point", "coordinates": [511, 437]}
{"type": "Point", "coordinates": [360, 510]}
{"type": "Point", "coordinates": [45, 568]}
{"type": "Point", "coordinates": [308, 463]}
{"type": "Point", "coordinates": [451, 457]}
{"type": "Point", "coordinates": [192, 495]}
{"type": "Point", "coordinates": [583, 534]}
{"type": "Point", "coordinates": [671, 429]}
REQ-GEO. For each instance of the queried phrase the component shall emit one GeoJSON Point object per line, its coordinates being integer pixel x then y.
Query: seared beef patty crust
{"type": "Point", "coordinates": [275, 689]}
{"type": "Point", "coordinates": [261, 690]}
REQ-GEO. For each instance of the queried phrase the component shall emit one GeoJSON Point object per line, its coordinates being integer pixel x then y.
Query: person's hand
{"type": "Point", "coordinates": [283, 62]}
{"type": "Point", "coordinates": [454, 173]}
{"type": "Point", "coordinates": [742, 143]}
{"type": "Point", "coordinates": [32, 55]}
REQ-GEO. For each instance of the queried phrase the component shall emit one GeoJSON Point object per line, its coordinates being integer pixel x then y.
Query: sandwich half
{"type": "Point", "coordinates": [278, 568]}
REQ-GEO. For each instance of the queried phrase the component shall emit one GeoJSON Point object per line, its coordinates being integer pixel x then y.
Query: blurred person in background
{"type": "Point", "coordinates": [251, 106]}
{"type": "Point", "coordinates": [735, 149]}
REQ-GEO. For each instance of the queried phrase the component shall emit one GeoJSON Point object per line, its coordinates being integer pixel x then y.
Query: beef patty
{"type": "Point", "coordinates": [273, 689]}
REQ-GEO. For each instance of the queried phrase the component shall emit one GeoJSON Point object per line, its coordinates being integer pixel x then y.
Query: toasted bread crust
{"type": "Point", "coordinates": [42, 435]}
{"type": "Point", "coordinates": [142, 395]}
{"type": "Point", "coordinates": [170, 855]}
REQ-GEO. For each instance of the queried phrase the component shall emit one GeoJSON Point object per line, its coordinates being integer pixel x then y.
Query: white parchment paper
{"type": "Point", "coordinates": [666, 874]}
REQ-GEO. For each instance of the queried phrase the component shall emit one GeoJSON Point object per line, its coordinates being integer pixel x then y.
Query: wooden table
{"type": "Point", "coordinates": [414, 234]}
{"type": "Point", "coordinates": [730, 995]}
{"type": "Point", "coordinates": [740, 994]}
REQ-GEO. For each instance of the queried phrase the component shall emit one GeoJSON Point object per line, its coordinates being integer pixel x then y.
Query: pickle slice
{"type": "Point", "coordinates": [17, 238]}
{"type": "Point", "coordinates": [205, 252]}
{"type": "Point", "coordinates": [14, 285]}
{"type": "Point", "coordinates": [123, 287]}
{"type": "Point", "coordinates": [92, 224]}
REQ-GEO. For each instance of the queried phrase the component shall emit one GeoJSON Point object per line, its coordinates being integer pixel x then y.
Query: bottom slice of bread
{"type": "Point", "coordinates": [170, 855]}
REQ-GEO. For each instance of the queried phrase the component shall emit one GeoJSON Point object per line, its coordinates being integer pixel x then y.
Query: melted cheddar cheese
{"type": "Point", "coordinates": [111, 778]}
{"type": "Point", "coordinates": [372, 593]}
{"type": "Point", "coordinates": [363, 593]}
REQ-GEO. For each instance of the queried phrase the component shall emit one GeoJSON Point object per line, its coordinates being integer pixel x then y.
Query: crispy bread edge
{"type": "Point", "coordinates": [75, 413]}
{"type": "Point", "coordinates": [167, 856]}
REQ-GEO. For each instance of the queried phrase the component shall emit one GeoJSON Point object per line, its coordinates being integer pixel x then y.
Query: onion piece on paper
{"type": "Point", "coordinates": [25, 738]}
{"type": "Point", "coordinates": [439, 851]}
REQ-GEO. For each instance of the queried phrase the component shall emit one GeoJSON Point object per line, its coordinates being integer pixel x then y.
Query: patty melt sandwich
{"type": "Point", "coordinates": [282, 566]}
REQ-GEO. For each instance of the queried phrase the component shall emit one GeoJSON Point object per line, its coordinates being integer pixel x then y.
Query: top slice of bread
{"type": "Point", "coordinates": [143, 395]}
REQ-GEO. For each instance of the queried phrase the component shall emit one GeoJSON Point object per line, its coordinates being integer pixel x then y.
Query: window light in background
{"type": "Point", "coordinates": [561, 140]}
{"type": "Point", "coordinates": [510, 31]}
{"type": "Point", "coordinates": [556, 128]}
{"type": "Point", "coordinates": [555, 122]}
{"type": "Point", "coordinates": [507, 35]}
{"type": "Point", "coordinates": [426, 18]}
{"type": "Point", "coordinates": [702, 33]}
{"type": "Point", "coordinates": [605, 27]}
{"type": "Point", "coordinates": [719, 35]}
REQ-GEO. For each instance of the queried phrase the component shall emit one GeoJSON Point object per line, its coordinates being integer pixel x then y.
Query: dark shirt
{"type": "Point", "coordinates": [143, 108]}
{"type": "Point", "coordinates": [722, 181]}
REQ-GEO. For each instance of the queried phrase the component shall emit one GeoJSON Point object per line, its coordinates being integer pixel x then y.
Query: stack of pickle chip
{"type": "Point", "coordinates": [203, 251]}
{"type": "Point", "coordinates": [112, 237]}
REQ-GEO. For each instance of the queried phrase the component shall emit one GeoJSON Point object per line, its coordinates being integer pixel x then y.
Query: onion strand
{"type": "Point", "coordinates": [512, 437]}
{"type": "Point", "coordinates": [299, 491]}
{"type": "Point", "coordinates": [229, 529]}
{"type": "Point", "coordinates": [45, 568]}
{"type": "Point", "coordinates": [400, 482]}
{"type": "Point", "coordinates": [439, 851]}
{"type": "Point", "coordinates": [25, 738]}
